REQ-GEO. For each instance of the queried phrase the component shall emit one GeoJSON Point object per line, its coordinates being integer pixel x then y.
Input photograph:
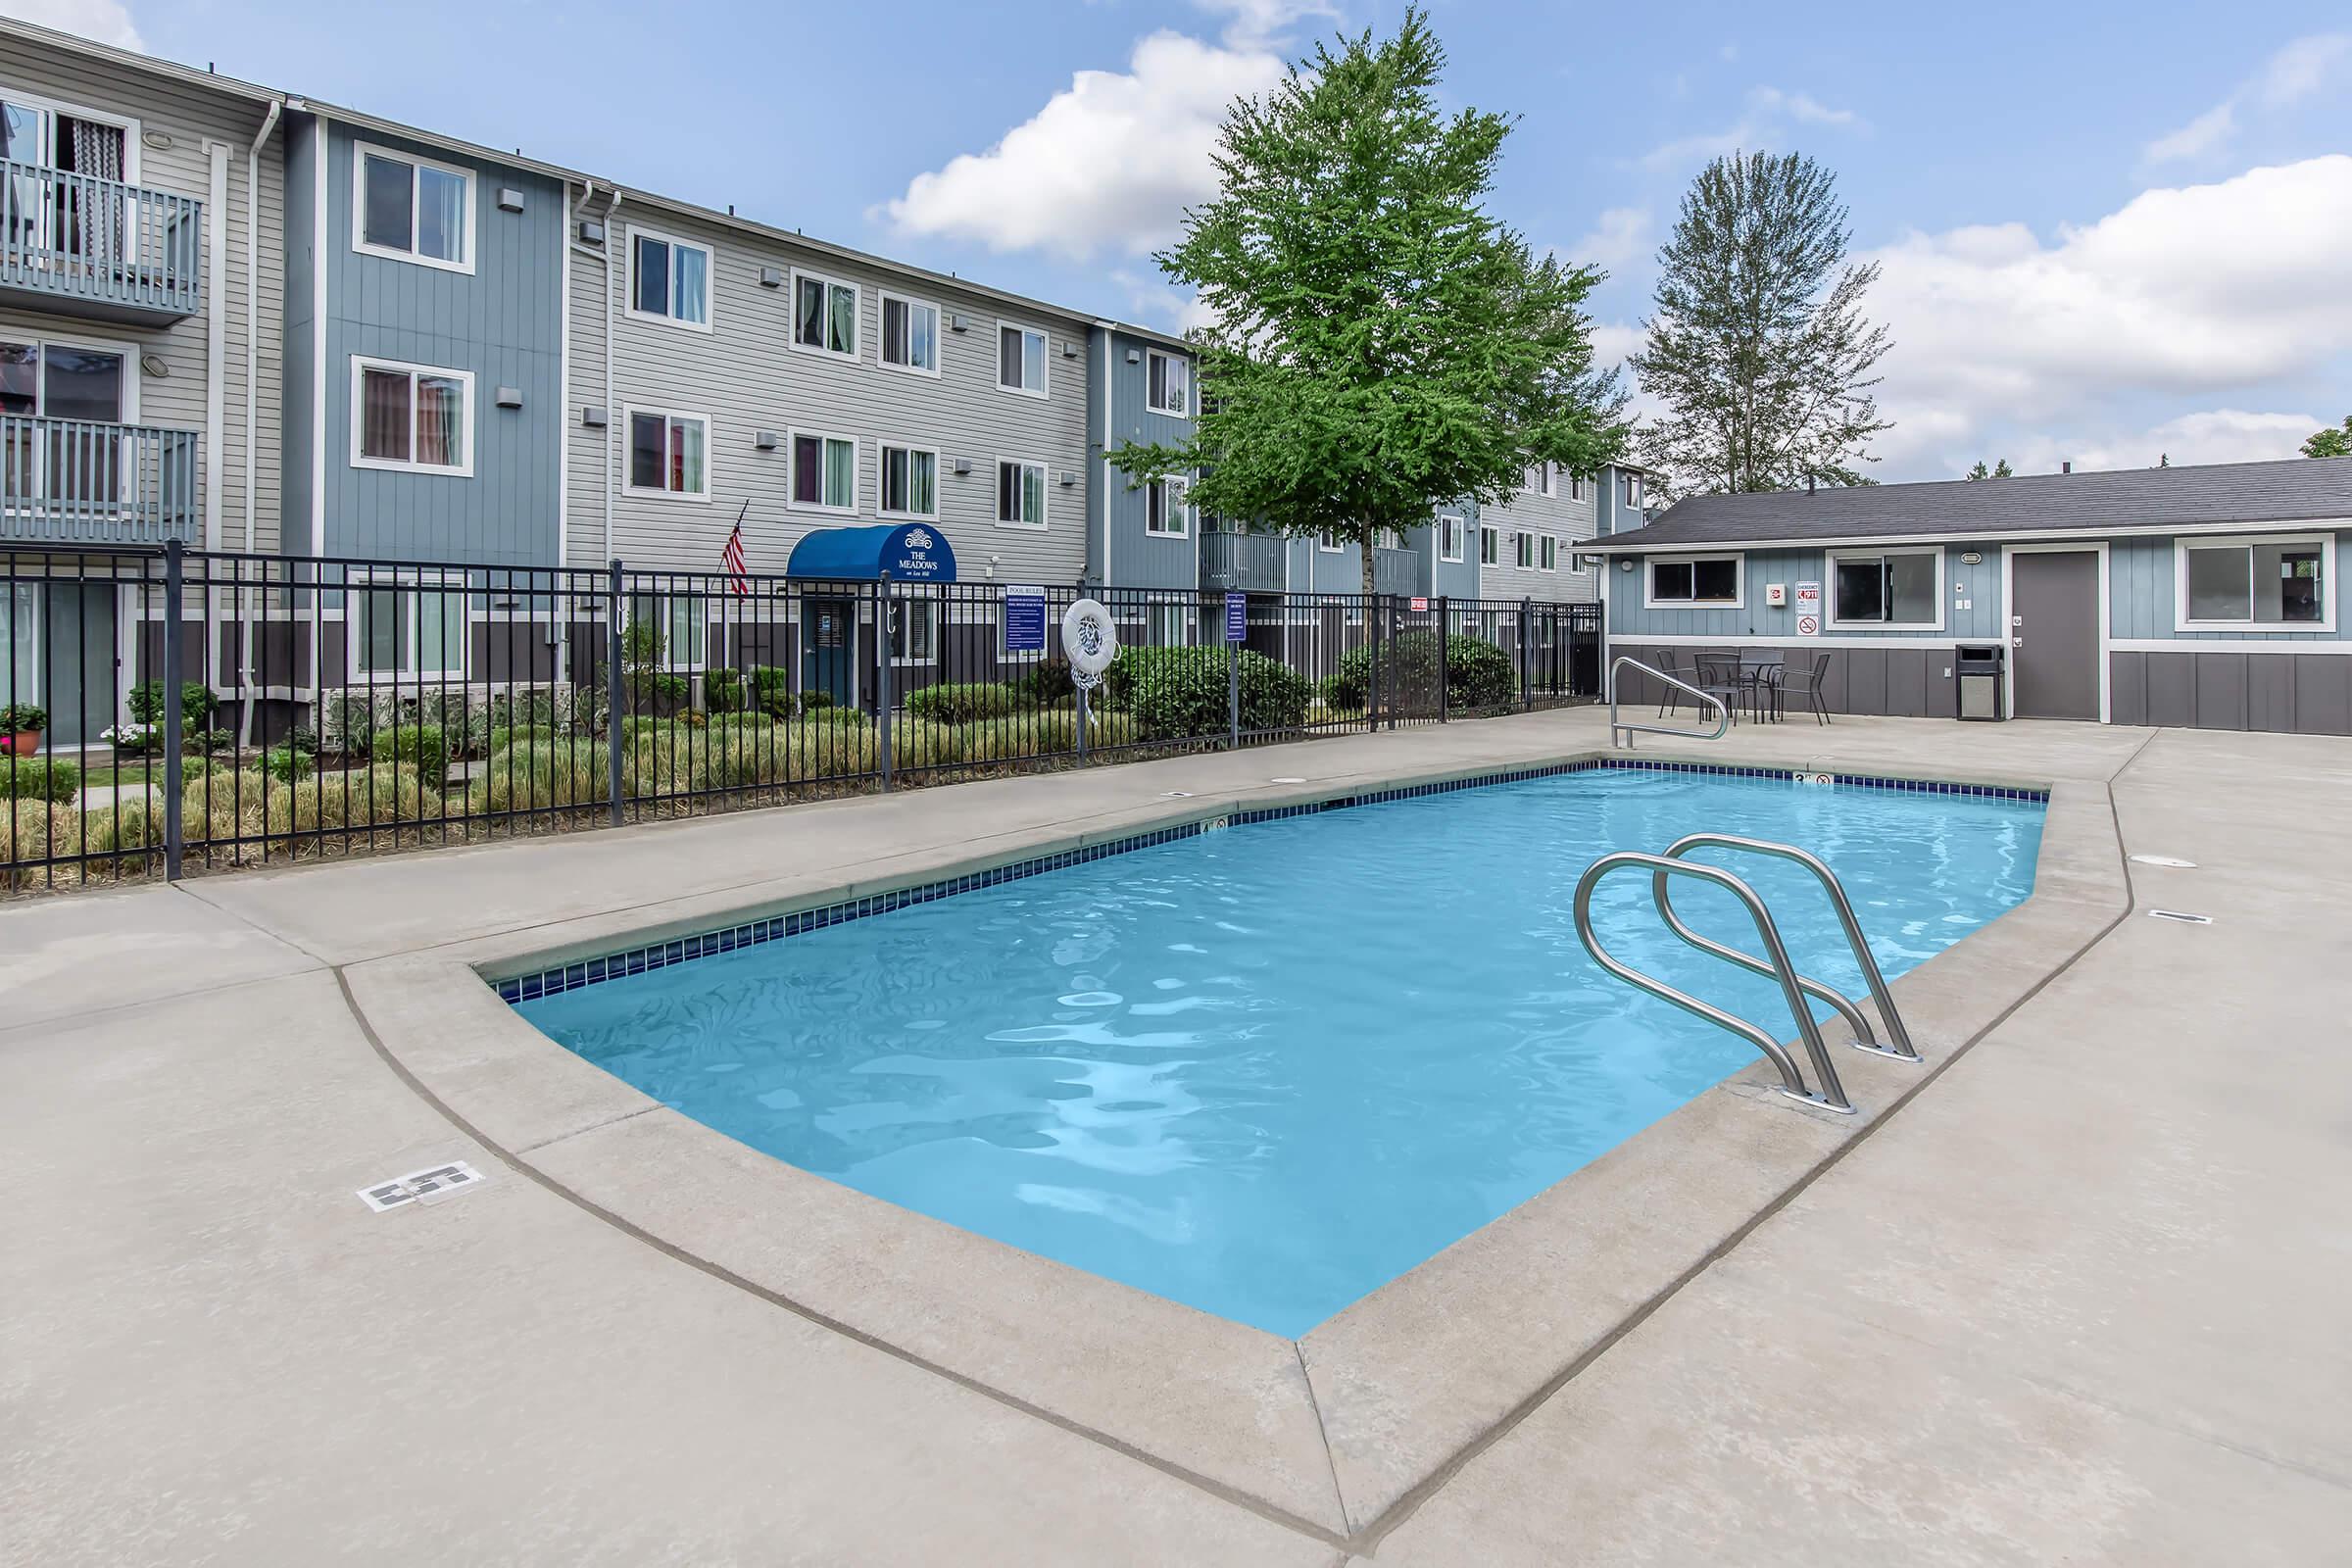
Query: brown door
{"type": "Point", "coordinates": [2054, 633]}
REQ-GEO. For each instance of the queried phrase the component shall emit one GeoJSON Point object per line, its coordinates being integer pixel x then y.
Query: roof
{"type": "Point", "coordinates": [2296, 491]}
{"type": "Point", "coordinates": [167, 69]}
{"type": "Point", "coordinates": [901, 552]}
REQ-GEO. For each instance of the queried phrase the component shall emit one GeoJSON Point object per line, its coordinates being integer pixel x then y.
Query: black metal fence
{"type": "Point", "coordinates": [198, 710]}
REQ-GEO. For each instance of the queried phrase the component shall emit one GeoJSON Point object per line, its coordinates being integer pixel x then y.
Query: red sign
{"type": "Point", "coordinates": [1420, 604]}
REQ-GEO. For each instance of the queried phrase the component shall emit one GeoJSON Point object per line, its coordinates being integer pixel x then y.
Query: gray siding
{"type": "Point", "coordinates": [1137, 559]}
{"type": "Point", "coordinates": [1978, 586]}
{"type": "Point", "coordinates": [187, 120]}
{"type": "Point", "coordinates": [744, 376]}
{"type": "Point", "coordinates": [1566, 514]}
{"type": "Point", "coordinates": [2141, 579]}
{"type": "Point", "coordinates": [2299, 693]}
{"type": "Point", "coordinates": [501, 322]}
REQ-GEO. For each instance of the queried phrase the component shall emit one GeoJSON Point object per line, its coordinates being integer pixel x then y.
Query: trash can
{"type": "Point", "coordinates": [1977, 668]}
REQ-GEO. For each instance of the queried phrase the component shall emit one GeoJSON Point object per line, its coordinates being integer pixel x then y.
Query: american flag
{"type": "Point", "coordinates": [738, 577]}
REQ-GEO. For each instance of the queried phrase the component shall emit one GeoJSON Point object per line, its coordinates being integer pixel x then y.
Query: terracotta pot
{"type": "Point", "coordinates": [24, 743]}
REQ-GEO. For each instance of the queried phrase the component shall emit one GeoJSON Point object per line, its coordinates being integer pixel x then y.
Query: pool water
{"type": "Point", "coordinates": [1265, 1070]}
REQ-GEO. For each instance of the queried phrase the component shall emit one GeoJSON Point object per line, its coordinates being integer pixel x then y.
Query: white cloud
{"type": "Point", "coordinates": [1612, 341]}
{"type": "Point", "coordinates": [1802, 107]}
{"type": "Point", "coordinates": [1766, 116]}
{"type": "Point", "coordinates": [2164, 299]}
{"type": "Point", "coordinates": [2286, 79]}
{"type": "Point", "coordinates": [1111, 161]}
{"type": "Point", "coordinates": [106, 20]}
{"type": "Point", "coordinates": [2216, 435]}
{"type": "Point", "coordinates": [1621, 234]}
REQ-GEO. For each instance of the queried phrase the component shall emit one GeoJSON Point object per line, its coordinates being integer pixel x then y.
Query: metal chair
{"type": "Point", "coordinates": [1670, 696]}
{"type": "Point", "coordinates": [1808, 684]}
{"type": "Point", "coordinates": [1718, 675]}
{"type": "Point", "coordinates": [1760, 670]}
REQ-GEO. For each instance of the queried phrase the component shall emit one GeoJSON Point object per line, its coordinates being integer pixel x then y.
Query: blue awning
{"type": "Point", "coordinates": [902, 552]}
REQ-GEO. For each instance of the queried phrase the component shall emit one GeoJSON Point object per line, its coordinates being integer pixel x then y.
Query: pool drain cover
{"type": "Point", "coordinates": [2182, 916]}
{"type": "Point", "coordinates": [428, 1186]}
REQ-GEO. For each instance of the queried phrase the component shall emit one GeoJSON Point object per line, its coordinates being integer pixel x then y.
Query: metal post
{"type": "Point", "coordinates": [1526, 610]}
{"type": "Point", "coordinates": [1445, 620]}
{"type": "Point", "coordinates": [175, 808]}
{"type": "Point", "coordinates": [885, 616]}
{"type": "Point", "coordinates": [613, 699]}
{"type": "Point", "coordinates": [1233, 694]}
{"type": "Point", "coordinates": [1372, 673]}
{"type": "Point", "coordinates": [1081, 689]}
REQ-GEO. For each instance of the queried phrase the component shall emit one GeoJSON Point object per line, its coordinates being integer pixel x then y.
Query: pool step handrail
{"type": "Point", "coordinates": [1620, 727]}
{"type": "Point", "coordinates": [1899, 1039]}
{"type": "Point", "coordinates": [1831, 1096]}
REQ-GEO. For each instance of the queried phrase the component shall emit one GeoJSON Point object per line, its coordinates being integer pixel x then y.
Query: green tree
{"type": "Point", "coordinates": [2000, 470]}
{"type": "Point", "coordinates": [1378, 343]}
{"type": "Point", "coordinates": [2331, 442]}
{"type": "Point", "coordinates": [1758, 347]}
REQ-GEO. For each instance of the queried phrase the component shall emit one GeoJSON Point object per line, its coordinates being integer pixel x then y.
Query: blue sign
{"type": "Point", "coordinates": [1024, 621]}
{"type": "Point", "coordinates": [911, 551]}
{"type": "Point", "coordinates": [1237, 617]}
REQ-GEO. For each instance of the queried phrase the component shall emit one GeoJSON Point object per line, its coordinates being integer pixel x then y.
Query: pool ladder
{"type": "Point", "coordinates": [1774, 964]}
{"type": "Point", "coordinates": [1623, 732]}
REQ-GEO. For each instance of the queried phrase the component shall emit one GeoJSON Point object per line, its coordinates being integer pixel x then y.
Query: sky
{"type": "Point", "coordinates": [2107, 234]}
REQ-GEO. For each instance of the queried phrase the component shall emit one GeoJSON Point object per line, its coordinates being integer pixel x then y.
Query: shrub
{"type": "Point", "coordinates": [505, 735]}
{"type": "Point", "coordinates": [35, 830]}
{"type": "Point", "coordinates": [421, 747]}
{"type": "Point", "coordinates": [205, 741]}
{"type": "Point", "coordinates": [350, 721]}
{"type": "Point", "coordinates": [724, 691]}
{"type": "Point", "coordinates": [39, 778]}
{"type": "Point", "coordinates": [536, 775]}
{"type": "Point", "coordinates": [18, 718]}
{"type": "Point", "coordinates": [135, 739]}
{"type": "Point", "coordinates": [1180, 693]}
{"type": "Point", "coordinates": [1478, 675]}
{"type": "Point", "coordinates": [810, 701]}
{"type": "Point", "coordinates": [288, 763]}
{"type": "Point", "coordinates": [229, 805]}
{"type": "Point", "coordinates": [771, 691]}
{"type": "Point", "coordinates": [196, 703]}
{"type": "Point", "coordinates": [959, 702]}
{"type": "Point", "coordinates": [924, 743]}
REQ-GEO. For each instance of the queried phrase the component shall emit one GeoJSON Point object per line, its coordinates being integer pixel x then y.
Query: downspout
{"type": "Point", "coordinates": [611, 469]}
{"type": "Point", "coordinates": [252, 363]}
{"type": "Point", "coordinates": [1109, 346]}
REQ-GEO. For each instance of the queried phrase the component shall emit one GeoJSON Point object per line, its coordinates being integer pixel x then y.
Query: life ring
{"type": "Point", "coordinates": [1088, 637]}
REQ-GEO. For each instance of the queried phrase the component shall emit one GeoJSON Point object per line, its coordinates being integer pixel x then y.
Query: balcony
{"type": "Point", "coordinates": [78, 481]}
{"type": "Point", "coordinates": [1242, 562]}
{"type": "Point", "coordinates": [1399, 572]}
{"type": "Point", "coordinates": [98, 249]}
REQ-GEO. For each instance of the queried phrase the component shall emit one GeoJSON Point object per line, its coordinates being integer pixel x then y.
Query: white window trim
{"type": "Point", "coordinates": [1176, 509]}
{"type": "Point", "coordinates": [939, 321]}
{"type": "Point", "coordinates": [362, 580]}
{"type": "Point", "coordinates": [628, 299]}
{"type": "Point", "coordinates": [1461, 536]}
{"type": "Point", "coordinates": [2324, 543]}
{"type": "Point", "coordinates": [1487, 531]}
{"type": "Point", "coordinates": [359, 151]}
{"type": "Point", "coordinates": [939, 626]}
{"type": "Point", "coordinates": [1837, 611]}
{"type": "Point", "coordinates": [792, 318]}
{"type": "Point", "coordinates": [45, 341]}
{"type": "Point", "coordinates": [1159, 354]}
{"type": "Point", "coordinates": [1544, 484]}
{"type": "Point", "coordinates": [1045, 490]}
{"type": "Point", "coordinates": [1523, 550]}
{"type": "Point", "coordinates": [662, 492]}
{"type": "Point", "coordinates": [1321, 548]}
{"type": "Point", "coordinates": [671, 662]}
{"type": "Point", "coordinates": [792, 465]}
{"type": "Point", "coordinates": [362, 364]}
{"type": "Point", "coordinates": [1045, 359]}
{"type": "Point", "coordinates": [882, 480]}
{"type": "Point", "coordinates": [1548, 544]}
{"type": "Point", "coordinates": [1738, 601]}
{"type": "Point", "coordinates": [59, 106]}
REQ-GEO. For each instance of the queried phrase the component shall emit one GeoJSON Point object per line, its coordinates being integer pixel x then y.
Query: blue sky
{"type": "Point", "coordinates": [2107, 233]}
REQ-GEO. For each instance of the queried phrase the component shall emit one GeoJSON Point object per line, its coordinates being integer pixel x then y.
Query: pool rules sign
{"type": "Point", "coordinates": [1809, 610]}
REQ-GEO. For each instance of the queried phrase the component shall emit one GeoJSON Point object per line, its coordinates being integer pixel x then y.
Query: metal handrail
{"type": "Point", "coordinates": [1900, 1048]}
{"type": "Point", "coordinates": [1617, 727]}
{"type": "Point", "coordinates": [1792, 1083]}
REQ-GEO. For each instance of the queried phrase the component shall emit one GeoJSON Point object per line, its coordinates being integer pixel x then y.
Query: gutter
{"type": "Point", "coordinates": [253, 371]}
{"type": "Point", "coordinates": [1630, 544]}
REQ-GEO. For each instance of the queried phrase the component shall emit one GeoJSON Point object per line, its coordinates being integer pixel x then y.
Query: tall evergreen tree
{"type": "Point", "coordinates": [1758, 347]}
{"type": "Point", "coordinates": [1379, 343]}
{"type": "Point", "coordinates": [1980, 472]}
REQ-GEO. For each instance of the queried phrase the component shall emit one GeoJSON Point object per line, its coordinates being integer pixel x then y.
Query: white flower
{"type": "Point", "coordinates": [918, 538]}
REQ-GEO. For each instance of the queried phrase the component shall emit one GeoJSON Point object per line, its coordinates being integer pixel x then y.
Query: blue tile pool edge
{"type": "Point", "coordinates": [572, 976]}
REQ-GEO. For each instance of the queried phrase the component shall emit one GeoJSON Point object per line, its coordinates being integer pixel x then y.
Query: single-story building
{"type": "Point", "coordinates": [2202, 597]}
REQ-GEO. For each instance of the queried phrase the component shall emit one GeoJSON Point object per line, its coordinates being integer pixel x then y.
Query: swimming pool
{"type": "Point", "coordinates": [1262, 1071]}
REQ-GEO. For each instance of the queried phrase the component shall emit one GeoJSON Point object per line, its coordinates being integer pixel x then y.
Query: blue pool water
{"type": "Point", "coordinates": [1265, 1070]}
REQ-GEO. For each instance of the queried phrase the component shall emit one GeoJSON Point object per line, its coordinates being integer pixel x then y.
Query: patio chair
{"type": "Point", "coordinates": [1760, 670]}
{"type": "Point", "coordinates": [1808, 683]}
{"type": "Point", "coordinates": [1670, 696]}
{"type": "Point", "coordinates": [1718, 675]}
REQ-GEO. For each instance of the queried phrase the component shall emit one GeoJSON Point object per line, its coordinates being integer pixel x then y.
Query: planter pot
{"type": "Point", "coordinates": [25, 741]}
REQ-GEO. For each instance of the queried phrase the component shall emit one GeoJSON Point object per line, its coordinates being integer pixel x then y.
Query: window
{"type": "Point", "coordinates": [1527, 550]}
{"type": "Point", "coordinates": [909, 335]}
{"type": "Point", "coordinates": [679, 620]}
{"type": "Point", "coordinates": [2277, 583]}
{"type": "Point", "coordinates": [1168, 388]}
{"type": "Point", "coordinates": [669, 280]}
{"type": "Point", "coordinates": [910, 482]}
{"type": "Point", "coordinates": [1489, 547]}
{"type": "Point", "coordinates": [410, 209]}
{"type": "Point", "coordinates": [1449, 538]}
{"type": "Point", "coordinates": [824, 472]}
{"type": "Point", "coordinates": [1163, 508]}
{"type": "Point", "coordinates": [410, 417]}
{"type": "Point", "coordinates": [1166, 625]}
{"type": "Point", "coordinates": [914, 631]}
{"type": "Point", "coordinates": [1550, 558]}
{"type": "Point", "coordinates": [824, 316]}
{"type": "Point", "coordinates": [21, 643]}
{"type": "Point", "coordinates": [1695, 581]}
{"type": "Point", "coordinates": [1388, 539]}
{"type": "Point", "coordinates": [1329, 541]}
{"type": "Point", "coordinates": [1633, 491]}
{"type": "Point", "coordinates": [1886, 588]}
{"type": "Point", "coordinates": [1536, 479]}
{"type": "Point", "coordinates": [1021, 495]}
{"type": "Point", "coordinates": [1021, 360]}
{"type": "Point", "coordinates": [1576, 487]}
{"type": "Point", "coordinates": [400, 631]}
{"type": "Point", "coordinates": [669, 455]}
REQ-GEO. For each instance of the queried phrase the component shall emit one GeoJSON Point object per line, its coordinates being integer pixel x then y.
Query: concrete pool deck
{"type": "Point", "coordinates": [2079, 1296]}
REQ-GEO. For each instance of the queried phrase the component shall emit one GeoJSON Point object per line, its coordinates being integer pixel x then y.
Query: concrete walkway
{"type": "Point", "coordinates": [2080, 1301]}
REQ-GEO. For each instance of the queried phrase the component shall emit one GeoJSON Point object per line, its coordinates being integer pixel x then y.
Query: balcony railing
{"type": "Point", "coordinates": [1399, 572]}
{"type": "Point", "coordinates": [78, 481]}
{"type": "Point", "coordinates": [1236, 561]}
{"type": "Point", "coordinates": [98, 248]}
